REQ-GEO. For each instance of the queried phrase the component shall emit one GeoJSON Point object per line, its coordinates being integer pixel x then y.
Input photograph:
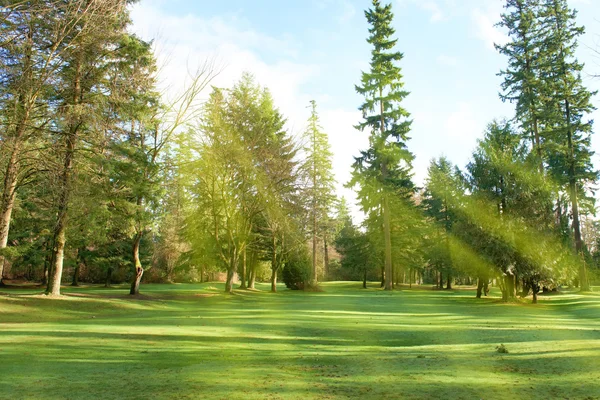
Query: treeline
{"type": "Point", "coordinates": [518, 212]}
{"type": "Point", "coordinates": [104, 176]}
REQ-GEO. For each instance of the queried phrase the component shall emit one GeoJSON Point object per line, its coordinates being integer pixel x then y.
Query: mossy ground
{"type": "Point", "coordinates": [193, 342]}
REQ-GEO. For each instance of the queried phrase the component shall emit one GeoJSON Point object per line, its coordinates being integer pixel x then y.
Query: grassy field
{"type": "Point", "coordinates": [192, 342]}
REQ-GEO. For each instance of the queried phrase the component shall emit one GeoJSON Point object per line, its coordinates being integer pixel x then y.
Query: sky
{"type": "Point", "coordinates": [316, 49]}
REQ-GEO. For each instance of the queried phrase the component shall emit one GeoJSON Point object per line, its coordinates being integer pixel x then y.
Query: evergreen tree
{"type": "Point", "coordinates": [522, 79]}
{"type": "Point", "coordinates": [317, 169]}
{"type": "Point", "coordinates": [383, 169]}
{"type": "Point", "coordinates": [79, 95]}
{"type": "Point", "coordinates": [567, 107]}
{"type": "Point", "coordinates": [440, 194]}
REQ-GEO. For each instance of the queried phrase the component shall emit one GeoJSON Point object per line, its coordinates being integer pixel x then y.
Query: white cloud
{"type": "Point", "coordinates": [435, 10]}
{"type": "Point", "coordinates": [485, 27]}
{"type": "Point", "coordinates": [187, 41]}
{"type": "Point", "coordinates": [462, 123]}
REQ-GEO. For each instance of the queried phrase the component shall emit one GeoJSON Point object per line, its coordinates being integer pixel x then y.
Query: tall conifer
{"type": "Point", "coordinates": [385, 166]}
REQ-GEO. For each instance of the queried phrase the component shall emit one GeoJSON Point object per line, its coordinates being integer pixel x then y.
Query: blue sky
{"type": "Point", "coordinates": [316, 49]}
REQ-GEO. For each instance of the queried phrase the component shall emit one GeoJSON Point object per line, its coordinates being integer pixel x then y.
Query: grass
{"type": "Point", "coordinates": [192, 342]}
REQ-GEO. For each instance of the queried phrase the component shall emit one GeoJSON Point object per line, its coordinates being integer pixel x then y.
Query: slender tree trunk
{"type": "Point", "coordinates": [230, 273]}
{"type": "Point", "coordinates": [252, 275]}
{"type": "Point", "coordinates": [274, 265]}
{"type": "Point", "coordinates": [274, 280]}
{"type": "Point", "coordinates": [139, 270]}
{"type": "Point", "coordinates": [388, 244]}
{"type": "Point", "coordinates": [108, 281]}
{"type": "Point", "coordinates": [8, 201]}
{"type": "Point", "coordinates": [382, 276]}
{"type": "Point", "coordinates": [365, 279]}
{"type": "Point", "coordinates": [325, 258]}
{"type": "Point", "coordinates": [535, 287]}
{"type": "Point", "coordinates": [78, 261]}
{"type": "Point", "coordinates": [441, 281]}
{"type": "Point", "coordinates": [243, 274]}
{"type": "Point", "coordinates": [449, 282]}
{"type": "Point", "coordinates": [314, 245]}
{"type": "Point", "coordinates": [47, 263]}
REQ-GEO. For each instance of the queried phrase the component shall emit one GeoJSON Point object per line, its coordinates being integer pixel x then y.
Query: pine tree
{"type": "Point", "coordinates": [320, 181]}
{"type": "Point", "coordinates": [81, 106]}
{"type": "Point", "coordinates": [385, 167]}
{"type": "Point", "coordinates": [566, 108]}
{"type": "Point", "coordinates": [522, 79]}
{"type": "Point", "coordinates": [440, 193]}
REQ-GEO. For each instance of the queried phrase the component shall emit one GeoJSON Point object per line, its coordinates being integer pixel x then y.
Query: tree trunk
{"type": "Point", "coordinates": [230, 273]}
{"type": "Point", "coordinates": [325, 258]}
{"type": "Point", "coordinates": [252, 276]}
{"type": "Point", "coordinates": [388, 244]}
{"type": "Point", "coordinates": [8, 202]}
{"type": "Point", "coordinates": [78, 262]}
{"type": "Point", "coordinates": [449, 282]}
{"type": "Point", "coordinates": [61, 221]}
{"type": "Point", "coordinates": [274, 266]}
{"type": "Point", "coordinates": [243, 271]}
{"type": "Point", "coordinates": [509, 287]}
{"type": "Point", "coordinates": [365, 279]}
{"type": "Point", "coordinates": [47, 262]}
{"type": "Point", "coordinates": [479, 287]}
{"type": "Point", "coordinates": [441, 281]}
{"type": "Point", "coordinates": [382, 276]}
{"type": "Point", "coordinates": [108, 281]}
{"type": "Point", "coordinates": [139, 270]}
{"type": "Point", "coordinates": [274, 280]}
{"type": "Point", "coordinates": [314, 247]}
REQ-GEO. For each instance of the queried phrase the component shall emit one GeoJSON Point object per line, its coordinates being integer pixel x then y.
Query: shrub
{"type": "Point", "coordinates": [297, 270]}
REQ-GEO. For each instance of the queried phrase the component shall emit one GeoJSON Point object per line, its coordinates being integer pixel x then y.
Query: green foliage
{"type": "Point", "coordinates": [384, 170]}
{"type": "Point", "coordinates": [297, 270]}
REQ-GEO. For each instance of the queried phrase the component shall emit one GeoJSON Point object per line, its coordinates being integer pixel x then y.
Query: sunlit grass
{"type": "Point", "coordinates": [191, 341]}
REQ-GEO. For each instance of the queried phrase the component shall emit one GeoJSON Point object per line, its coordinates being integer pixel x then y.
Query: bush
{"type": "Point", "coordinates": [296, 271]}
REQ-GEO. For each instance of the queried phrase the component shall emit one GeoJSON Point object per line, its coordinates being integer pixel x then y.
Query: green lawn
{"type": "Point", "coordinates": [192, 342]}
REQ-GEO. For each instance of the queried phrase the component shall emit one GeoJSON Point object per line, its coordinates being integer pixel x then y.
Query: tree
{"type": "Point", "coordinates": [81, 79]}
{"type": "Point", "coordinates": [35, 39]}
{"type": "Point", "coordinates": [318, 173]}
{"type": "Point", "coordinates": [523, 83]}
{"type": "Point", "coordinates": [440, 192]}
{"type": "Point", "coordinates": [386, 165]}
{"type": "Point", "coordinates": [567, 105]}
{"type": "Point", "coordinates": [245, 177]}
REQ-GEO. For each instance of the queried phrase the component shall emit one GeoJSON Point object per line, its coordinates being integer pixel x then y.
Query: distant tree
{"type": "Point", "coordinates": [318, 172]}
{"type": "Point", "coordinates": [440, 194]}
